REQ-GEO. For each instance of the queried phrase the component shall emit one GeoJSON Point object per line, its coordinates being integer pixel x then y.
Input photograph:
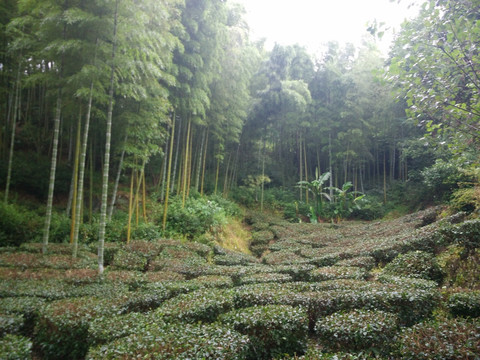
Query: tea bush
{"type": "Point", "coordinates": [440, 339]}
{"type": "Point", "coordinates": [338, 272]}
{"type": "Point", "coordinates": [62, 328]}
{"type": "Point", "coordinates": [47, 289]}
{"type": "Point", "coordinates": [128, 260]}
{"type": "Point", "coordinates": [26, 307]}
{"type": "Point", "coordinates": [11, 324]}
{"type": "Point", "coordinates": [182, 342]}
{"type": "Point", "coordinates": [416, 264]}
{"type": "Point", "coordinates": [265, 278]}
{"type": "Point", "coordinates": [272, 329]}
{"type": "Point", "coordinates": [103, 330]}
{"type": "Point", "coordinates": [202, 305]}
{"type": "Point", "coordinates": [15, 347]}
{"type": "Point", "coordinates": [366, 262]}
{"type": "Point", "coordinates": [465, 234]}
{"type": "Point", "coordinates": [356, 330]}
{"type": "Point", "coordinates": [466, 304]}
{"type": "Point", "coordinates": [231, 258]}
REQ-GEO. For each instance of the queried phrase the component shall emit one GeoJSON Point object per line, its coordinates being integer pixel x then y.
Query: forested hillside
{"type": "Point", "coordinates": [153, 156]}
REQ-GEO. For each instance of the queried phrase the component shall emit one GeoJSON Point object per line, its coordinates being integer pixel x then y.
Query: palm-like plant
{"type": "Point", "coordinates": [345, 201]}
{"type": "Point", "coordinates": [316, 188]}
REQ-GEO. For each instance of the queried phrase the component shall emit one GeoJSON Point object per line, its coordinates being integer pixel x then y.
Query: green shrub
{"type": "Point", "coordinates": [465, 304]}
{"type": "Point", "coordinates": [466, 199]}
{"type": "Point", "coordinates": [282, 258]}
{"type": "Point", "coordinates": [128, 260]}
{"type": "Point", "coordinates": [416, 264]}
{"type": "Point", "coordinates": [186, 263]}
{"type": "Point", "coordinates": [103, 330]}
{"type": "Point", "coordinates": [365, 262]}
{"type": "Point", "coordinates": [147, 300]}
{"type": "Point", "coordinates": [14, 347]}
{"type": "Point", "coordinates": [465, 234]}
{"type": "Point", "coordinates": [214, 281]}
{"type": "Point", "coordinates": [265, 278]}
{"type": "Point", "coordinates": [18, 225]}
{"type": "Point", "coordinates": [47, 289]}
{"type": "Point", "coordinates": [300, 272]}
{"type": "Point", "coordinates": [461, 269]}
{"type": "Point", "coordinates": [232, 258]}
{"type": "Point", "coordinates": [146, 231]}
{"type": "Point", "coordinates": [442, 178]}
{"type": "Point", "coordinates": [194, 218]}
{"type": "Point", "coordinates": [11, 324]}
{"type": "Point", "coordinates": [62, 328]}
{"type": "Point", "coordinates": [356, 330]}
{"type": "Point", "coordinates": [27, 307]}
{"type": "Point", "coordinates": [368, 209]}
{"type": "Point", "coordinates": [411, 305]}
{"type": "Point", "coordinates": [272, 329]}
{"type": "Point", "coordinates": [231, 208]}
{"type": "Point", "coordinates": [182, 342]}
{"type": "Point", "coordinates": [202, 305]}
{"type": "Point", "coordinates": [407, 282]}
{"type": "Point", "coordinates": [338, 272]}
{"type": "Point", "coordinates": [147, 249]}
{"type": "Point", "coordinates": [262, 237]}
{"type": "Point", "coordinates": [441, 339]}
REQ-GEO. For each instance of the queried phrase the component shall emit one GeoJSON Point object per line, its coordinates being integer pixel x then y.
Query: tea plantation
{"type": "Point", "coordinates": [397, 289]}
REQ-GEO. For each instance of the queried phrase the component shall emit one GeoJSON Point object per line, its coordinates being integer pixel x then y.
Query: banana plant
{"type": "Point", "coordinates": [345, 201]}
{"type": "Point", "coordinates": [316, 187]}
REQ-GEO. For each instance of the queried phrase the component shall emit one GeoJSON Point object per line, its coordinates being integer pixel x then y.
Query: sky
{"type": "Point", "coordinates": [315, 22]}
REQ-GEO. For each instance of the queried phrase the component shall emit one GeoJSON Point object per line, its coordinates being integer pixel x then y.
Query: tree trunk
{"type": "Point", "coordinates": [106, 166]}
{"type": "Point", "coordinates": [117, 181]}
{"type": "Point", "coordinates": [204, 164]}
{"type": "Point", "coordinates": [130, 206]}
{"type": "Point", "coordinates": [176, 154]}
{"type": "Point", "coordinates": [185, 164]}
{"type": "Point", "coordinates": [12, 137]}
{"type": "Point", "coordinates": [300, 160]}
{"type": "Point", "coordinates": [81, 169]}
{"type": "Point", "coordinates": [169, 170]}
{"type": "Point", "coordinates": [53, 167]}
{"type": "Point", "coordinates": [200, 157]}
{"type": "Point", "coordinates": [75, 188]}
{"type": "Point", "coordinates": [306, 168]}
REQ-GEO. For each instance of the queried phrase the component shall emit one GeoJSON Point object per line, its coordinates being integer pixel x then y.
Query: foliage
{"type": "Point", "coordinates": [197, 217]}
{"type": "Point", "coordinates": [15, 347]}
{"type": "Point", "coordinates": [466, 304]}
{"type": "Point", "coordinates": [160, 342]}
{"type": "Point", "coordinates": [465, 234]}
{"type": "Point", "coordinates": [338, 272]}
{"type": "Point", "coordinates": [272, 330]}
{"type": "Point", "coordinates": [440, 339]}
{"type": "Point", "coordinates": [442, 178]}
{"type": "Point", "coordinates": [416, 264]}
{"type": "Point", "coordinates": [62, 328]}
{"type": "Point", "coordinates": [198, 306]}
{"type": "Point", "coordinates": [461, 269]}
{"type": "Point", "coordinates": [357, 330]}
{"type": "Point", "coordinates": [18, 225]}
{"type": "Point", "coordinates": [26, 307]}
{"type": "Point", "coordinates": [103, 330]}
{"type": "Point", "coordinates": [11, 324]}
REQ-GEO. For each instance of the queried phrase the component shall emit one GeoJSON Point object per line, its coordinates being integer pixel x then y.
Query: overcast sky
{"type": "Point", "coordinates": [315, 22]}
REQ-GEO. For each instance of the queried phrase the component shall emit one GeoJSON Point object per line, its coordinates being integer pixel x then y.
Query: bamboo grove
{"type": "Point", "coordinates": [170, 98]}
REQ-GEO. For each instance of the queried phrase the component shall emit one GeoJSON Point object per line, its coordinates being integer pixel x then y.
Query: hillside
{"type": "Point", "coordinates": [406, 288]}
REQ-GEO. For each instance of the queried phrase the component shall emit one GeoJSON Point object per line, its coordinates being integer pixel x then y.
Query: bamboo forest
{"type": "Point", "coordinates": [172, 188]}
